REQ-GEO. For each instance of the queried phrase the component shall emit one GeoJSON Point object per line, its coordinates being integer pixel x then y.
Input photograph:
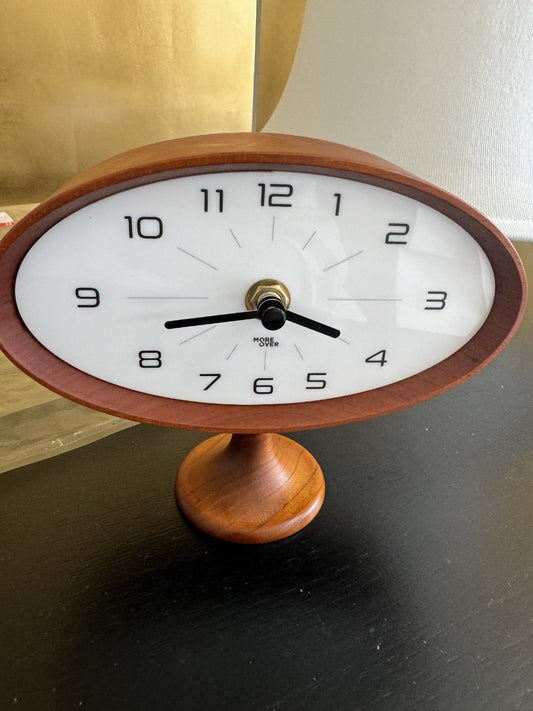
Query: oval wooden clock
{"type": "Point", "coordinates": [251, 284]}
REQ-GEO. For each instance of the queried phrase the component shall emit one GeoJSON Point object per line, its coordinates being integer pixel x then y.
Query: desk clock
{"type": "Point", "coordinates": [252, 284]}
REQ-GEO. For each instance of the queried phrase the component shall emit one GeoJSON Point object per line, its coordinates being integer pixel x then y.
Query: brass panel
{"type": "Point", "coordinates": [279, 31]}
{"type": "Point", "coordinates": [85, 79]}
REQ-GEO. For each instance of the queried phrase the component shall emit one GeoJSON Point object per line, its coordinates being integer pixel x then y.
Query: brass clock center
{"type": "Point", "coordinates": [266, 288]}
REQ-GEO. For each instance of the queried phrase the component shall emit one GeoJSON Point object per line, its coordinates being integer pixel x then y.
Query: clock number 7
{"type": "Point", "coordinates": [215, 376]}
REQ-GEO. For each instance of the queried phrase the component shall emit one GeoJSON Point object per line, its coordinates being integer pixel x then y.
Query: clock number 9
{"type": "Point", "coordinates": [145, 227]}
{"type": "Point", "coordinates": [87, 294]}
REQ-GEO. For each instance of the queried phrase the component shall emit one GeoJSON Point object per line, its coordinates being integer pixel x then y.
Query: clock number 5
{"type": "Point", "coordinates": [315, 382]}
{"type": "Point", "coordinates": [439, 300]}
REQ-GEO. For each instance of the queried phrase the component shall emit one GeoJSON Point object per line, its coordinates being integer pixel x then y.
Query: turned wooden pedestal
{"type": "Point", "coordinates": [250, 488]}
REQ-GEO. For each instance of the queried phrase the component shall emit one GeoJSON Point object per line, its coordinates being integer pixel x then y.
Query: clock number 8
{"type": "Point", "coordinates": [150, 359]}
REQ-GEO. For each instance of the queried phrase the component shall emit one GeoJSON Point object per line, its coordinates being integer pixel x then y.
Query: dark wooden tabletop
{"type": "Point", "coordinates": [412, 589]}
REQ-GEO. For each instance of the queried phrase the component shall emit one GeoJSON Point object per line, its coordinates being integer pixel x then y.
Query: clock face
{"type": "Point", "coordinates": [254, 283]}
{"type": "Point", "coordinates": [146, 288]}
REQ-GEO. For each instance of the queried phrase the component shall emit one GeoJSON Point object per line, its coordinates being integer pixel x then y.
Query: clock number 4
{"type": "Point", "coordinates": [144, 227]}
{"type": "Point", "coordinates": [380, 358]}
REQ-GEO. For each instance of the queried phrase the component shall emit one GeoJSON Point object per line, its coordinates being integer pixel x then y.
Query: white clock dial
{"type": "Point", "coordinates": [389, 286]}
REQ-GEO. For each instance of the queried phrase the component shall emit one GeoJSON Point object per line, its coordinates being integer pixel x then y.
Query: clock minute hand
{"type": "Point", "coordinates": [205, 320]}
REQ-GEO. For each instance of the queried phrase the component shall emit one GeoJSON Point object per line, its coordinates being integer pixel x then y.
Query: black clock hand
{"type": "Point", "coordinates": [313, 325]}
{"type": "Point", "coordinates": [217, 318]}
{"type": "Point", "coordinates": [271, 312]}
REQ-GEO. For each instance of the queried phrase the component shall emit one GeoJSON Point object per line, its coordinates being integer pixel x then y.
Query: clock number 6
{"type": "Point", "coordinates": [263, 386]}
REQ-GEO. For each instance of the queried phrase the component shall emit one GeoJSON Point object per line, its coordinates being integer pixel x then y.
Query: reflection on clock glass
{"type": "Point", "coordinates": [350, 287]}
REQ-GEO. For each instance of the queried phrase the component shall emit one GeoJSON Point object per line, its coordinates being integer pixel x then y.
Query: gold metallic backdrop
{"type": "Point", "coordinates": [85, 79]}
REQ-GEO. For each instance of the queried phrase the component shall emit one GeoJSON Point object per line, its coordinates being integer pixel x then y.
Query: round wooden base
{"type": "Point", "coordinates": [251, 488]}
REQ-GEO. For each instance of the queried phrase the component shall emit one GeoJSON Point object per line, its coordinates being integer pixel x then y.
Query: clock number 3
{"type": "Point", "coordinates": [437, 300]}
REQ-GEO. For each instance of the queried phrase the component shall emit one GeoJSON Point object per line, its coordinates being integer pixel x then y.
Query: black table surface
{"type": "Point", "coordinates": [412, 589]}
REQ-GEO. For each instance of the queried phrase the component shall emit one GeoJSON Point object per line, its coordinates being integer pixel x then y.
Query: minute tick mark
{"type": "Point", "coordinates": [342, 261]}
{"type": "Point", "coordinates": [199, 259]}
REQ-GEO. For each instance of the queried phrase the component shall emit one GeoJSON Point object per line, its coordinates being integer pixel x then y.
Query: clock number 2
{"type": "Point", "coordinates": [402, 232]}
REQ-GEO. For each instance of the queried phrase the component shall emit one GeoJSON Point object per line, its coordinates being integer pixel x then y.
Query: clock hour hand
{"type": "Point", "coordinates": [206, 320]}
{"type": "Point", "coordinates": [313, 325]}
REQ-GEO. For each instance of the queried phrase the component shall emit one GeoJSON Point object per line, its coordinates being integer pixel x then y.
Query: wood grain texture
{"type": "Point", "coordinates": [226, 152]}
{"type": "Point", "coordinates": [250, 488]}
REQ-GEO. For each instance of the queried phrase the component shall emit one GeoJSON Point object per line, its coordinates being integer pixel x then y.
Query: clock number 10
{"type": "Point", "coordinates": [144, 227]}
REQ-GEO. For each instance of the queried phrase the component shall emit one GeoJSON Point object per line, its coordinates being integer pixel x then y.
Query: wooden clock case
{"type": "Point", "coordinates": [254, 486]}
